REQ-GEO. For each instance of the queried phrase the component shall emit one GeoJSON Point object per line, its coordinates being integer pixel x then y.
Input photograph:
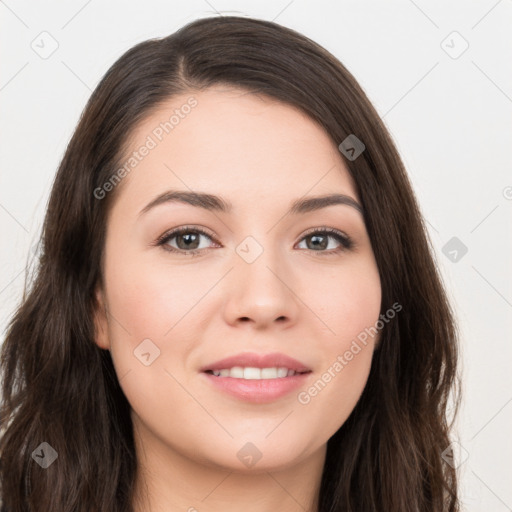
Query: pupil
{"type": "Point", "coordinates": [315, 244]}
{"type": "Point", "coordinates": [187, 237]}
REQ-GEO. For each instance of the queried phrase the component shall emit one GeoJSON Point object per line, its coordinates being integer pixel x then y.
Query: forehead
{"type": "Point", "coordinates": [234, 143]}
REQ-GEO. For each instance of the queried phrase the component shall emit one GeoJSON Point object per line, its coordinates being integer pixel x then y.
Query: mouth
{"type": "Point", "coordinates": [250, 365]}
{"type": "Point", "coordinates": [255, 388]}
{"type": "Point", "coordinates": [253, 373]}
{"type": "Point", "coordinates": [257, 378]}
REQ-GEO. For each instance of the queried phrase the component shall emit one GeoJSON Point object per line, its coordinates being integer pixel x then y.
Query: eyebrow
{"type": "Point", "coordinates": [216, 203]}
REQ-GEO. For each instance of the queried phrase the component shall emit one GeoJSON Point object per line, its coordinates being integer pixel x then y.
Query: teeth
{"type": "Point", "coordinates": [252, 373]}
{"type": "Point", "coordinates": [237, 372]}
{"type": "Point", "coordinates": [282, 372]}
{"type": "Point", "coordinates": [269, 373]}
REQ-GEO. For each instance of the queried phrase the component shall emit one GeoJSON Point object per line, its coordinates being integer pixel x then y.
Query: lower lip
{"type": "Point", "coordinates": [258, 390]}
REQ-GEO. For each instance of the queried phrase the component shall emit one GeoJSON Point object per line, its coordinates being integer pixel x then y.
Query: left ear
{"type": "Point", "coordinates": [100, 321]}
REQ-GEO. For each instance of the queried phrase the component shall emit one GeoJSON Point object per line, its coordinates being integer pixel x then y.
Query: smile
{"type": "Point", "coordinates": [250, 373]}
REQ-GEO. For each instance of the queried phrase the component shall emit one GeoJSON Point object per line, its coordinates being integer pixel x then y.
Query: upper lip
{"type": "Point", "coordinates": [254, 360]}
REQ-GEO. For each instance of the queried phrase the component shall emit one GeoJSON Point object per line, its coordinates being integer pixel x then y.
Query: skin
{"type": "Point", "coordinates": [260, 155]}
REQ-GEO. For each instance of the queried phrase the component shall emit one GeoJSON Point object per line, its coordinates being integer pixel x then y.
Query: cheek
{"type": "Point", "coordinates": [151, 299]}
{"type": "Point", "coordinates": [148, 304]}
{"type": "Point", "coordinates": [145, 304]}
{"type": "Point", "coordinates": [348, 304]}
{"type": "Point", "coordinates": [346, 300]}
{"type": "Point", "coordinates": [331, 397]}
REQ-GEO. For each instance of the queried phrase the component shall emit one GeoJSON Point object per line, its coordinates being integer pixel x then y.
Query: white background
{"type": "Point", "coordinates": [450, 117]}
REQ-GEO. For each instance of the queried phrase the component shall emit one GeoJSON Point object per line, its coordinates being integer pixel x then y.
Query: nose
{"type": "Point", "coordinates": [261, 293]}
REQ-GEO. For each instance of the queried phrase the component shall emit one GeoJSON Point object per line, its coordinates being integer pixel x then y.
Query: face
{"type": "Point", "coordinates": [263, 279]}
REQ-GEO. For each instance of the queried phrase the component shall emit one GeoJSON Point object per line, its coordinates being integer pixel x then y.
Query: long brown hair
{"type": "Point", "coordinates": [60, 388]}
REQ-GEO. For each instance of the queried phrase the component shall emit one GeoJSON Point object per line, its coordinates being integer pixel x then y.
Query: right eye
{"type": "Point", "coordinates": [186, 237]}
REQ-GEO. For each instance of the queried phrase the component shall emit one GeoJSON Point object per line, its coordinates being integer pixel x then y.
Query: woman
{"type": "Point", "coordinates": [236, 304]}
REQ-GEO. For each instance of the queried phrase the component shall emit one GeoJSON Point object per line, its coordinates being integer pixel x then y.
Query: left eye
{"type": "Point", "coordinates": [189, 237]}
{"type": "Point", "coordinates": [320, 239]}
{"type": "Point", "coordinates": [188, 240]}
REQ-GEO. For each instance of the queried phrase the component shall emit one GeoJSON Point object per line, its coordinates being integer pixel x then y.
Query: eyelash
{"type": "Point", "coordinates": [346, 242]}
